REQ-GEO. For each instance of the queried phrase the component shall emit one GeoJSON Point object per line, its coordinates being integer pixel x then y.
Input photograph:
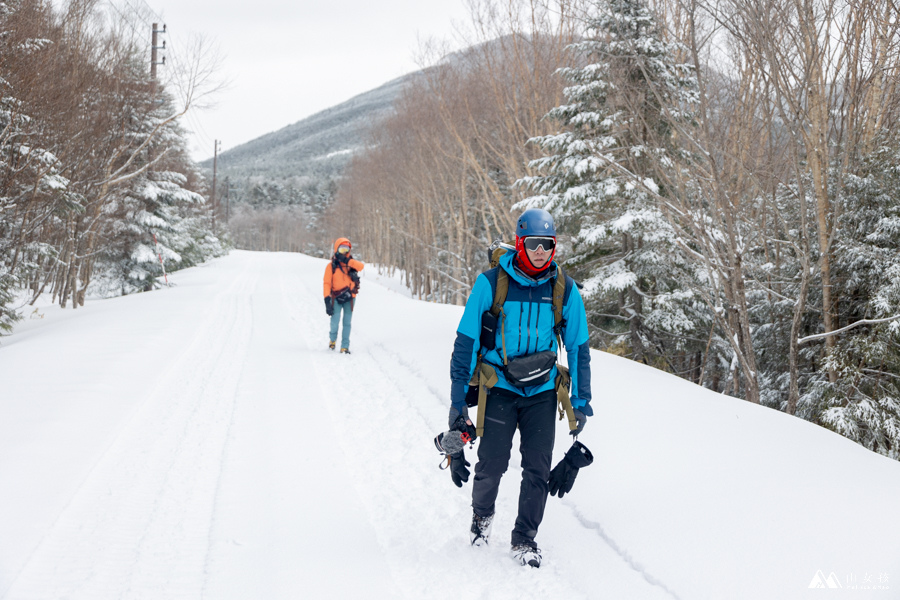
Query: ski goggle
{"type": "Point", "coordinates": [534, 242]}
{"type": "Point", "coordinates": [343, 249]}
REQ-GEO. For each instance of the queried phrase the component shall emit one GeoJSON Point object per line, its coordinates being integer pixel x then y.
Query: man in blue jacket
{"type": "Point", "coordinates": [525, 328]}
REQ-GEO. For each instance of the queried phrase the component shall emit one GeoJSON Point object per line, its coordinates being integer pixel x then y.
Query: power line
{"type": "Point", "coordinates": [127, 21]}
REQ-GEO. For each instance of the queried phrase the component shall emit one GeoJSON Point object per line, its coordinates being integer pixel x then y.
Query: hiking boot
{"type": "Point", "coordinates": [526, 554]}
{"type": "Point", "coordinates": [480, 530]}
{"type": "Point", "coordinates": [345, 351]}
{"type": "Point", "coordinates": [331, 345]}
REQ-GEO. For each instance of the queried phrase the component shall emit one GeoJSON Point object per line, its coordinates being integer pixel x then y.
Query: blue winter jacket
{"type": "Point", "coordinates": [528, 327]}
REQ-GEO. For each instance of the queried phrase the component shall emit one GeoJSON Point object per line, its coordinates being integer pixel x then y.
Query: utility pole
{"type": "Point", "coordinates": [153, 54]}
{"type": "Point", "coordinates": [227, 199]}
{"type": "Point", "coordinates": [216, 145]}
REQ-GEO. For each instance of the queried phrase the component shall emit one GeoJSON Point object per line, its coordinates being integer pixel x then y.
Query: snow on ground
{"type": "Point", "coordinates": [201, 442]}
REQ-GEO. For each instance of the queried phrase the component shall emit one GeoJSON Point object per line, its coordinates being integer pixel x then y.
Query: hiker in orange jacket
{"type": "Point", "coordinates": [341, 285]}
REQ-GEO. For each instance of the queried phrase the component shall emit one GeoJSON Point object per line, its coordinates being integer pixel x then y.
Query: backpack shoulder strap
{"type": "Point", "coordinates": [501, 289]}
{"type": "Point", "coordinates": [562, 287]}
{"type": "Point", "coordinates": [498, 278]}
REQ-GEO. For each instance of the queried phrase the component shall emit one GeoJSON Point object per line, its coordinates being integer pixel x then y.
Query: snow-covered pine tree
{"type": "Point", "coordinates": [31, 186]}
{"type": "Point", "coordinates": [601, 178]}
{"type": "Point", "coordinates": [863, 403]}
{"type": "Point", "coordinates": [158, 215]}
{"type": "Point", "coordinates": [11, 189]}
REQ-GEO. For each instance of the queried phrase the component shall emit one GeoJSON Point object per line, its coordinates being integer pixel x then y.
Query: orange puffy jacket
{"type": "Point", "coordinates": [337, 274]}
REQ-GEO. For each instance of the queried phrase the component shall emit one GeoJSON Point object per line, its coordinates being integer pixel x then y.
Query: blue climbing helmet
{"type": "Point", "coordinates": [535, 221]}
{"type": "Point", "coordinates": [537, 224]}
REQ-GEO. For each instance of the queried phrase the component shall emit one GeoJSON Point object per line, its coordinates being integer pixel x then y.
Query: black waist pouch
{"type": "Point", "coordinates": [344, 296]}
{"type": "Point", "coordinates": [531, 369]}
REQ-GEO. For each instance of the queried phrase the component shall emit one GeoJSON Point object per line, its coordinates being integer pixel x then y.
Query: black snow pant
{"type": "Point", "coordinates": [535, 418]}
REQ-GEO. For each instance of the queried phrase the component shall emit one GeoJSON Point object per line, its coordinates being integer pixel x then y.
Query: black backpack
{"type": "Point", "coordinates": [346, 294]}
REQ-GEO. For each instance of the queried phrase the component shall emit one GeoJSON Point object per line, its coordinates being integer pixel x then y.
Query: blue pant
{"type": "Point", "coordinates": [347, 308]}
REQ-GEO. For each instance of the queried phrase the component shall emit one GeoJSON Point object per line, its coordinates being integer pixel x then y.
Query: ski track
{"type": "Point", "coordinates": [154, 487]}
{"type": "Point", "coordinates": [623, 554]}
{"type": "Point", "coordinates": [386, 413]}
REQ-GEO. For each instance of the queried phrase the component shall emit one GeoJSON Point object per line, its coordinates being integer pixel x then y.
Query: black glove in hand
{"type": "Point", "coordinates": [580, 420]}
{"type": "Point", "coordinates": [459, 472]}
{"type": "Point", "coordinates": [329, 306]}
{"type": "Point", "coordinates": [562, 477]}
{"type": "Point", "coordinates": [342, 258]}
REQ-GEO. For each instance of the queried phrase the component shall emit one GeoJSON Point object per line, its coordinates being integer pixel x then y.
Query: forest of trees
{"type": "Point", "coordinates": [723, 176]}
{"type": "Point", "coordinates": [96, 185]}
{"type": "Point", "coordinates": [279, 215]}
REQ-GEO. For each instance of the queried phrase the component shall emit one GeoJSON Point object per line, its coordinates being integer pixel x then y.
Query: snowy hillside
{"type": "Point", "coordinates": [321, 144]}
{"type": "Point", "coordinates": [201, 442]}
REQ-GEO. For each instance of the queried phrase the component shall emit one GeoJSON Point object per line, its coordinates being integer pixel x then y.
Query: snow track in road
{"type": "Point", "coordinates": [288, 522]}
{"type": "Point", "coordinates": [139, 525]}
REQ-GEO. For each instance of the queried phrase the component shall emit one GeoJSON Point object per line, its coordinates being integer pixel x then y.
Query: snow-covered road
{"type": "Point", "coordinates": [202, 442]}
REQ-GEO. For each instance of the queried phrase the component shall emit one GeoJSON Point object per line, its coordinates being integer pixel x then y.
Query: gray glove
{"type": "Point", "coordinates": [455, 414]}
{"type": "Point", "coordinates": [580, 420]}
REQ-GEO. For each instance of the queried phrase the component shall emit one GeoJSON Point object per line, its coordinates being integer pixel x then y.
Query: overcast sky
{"type": "Point", "coordinates": [289, 59]}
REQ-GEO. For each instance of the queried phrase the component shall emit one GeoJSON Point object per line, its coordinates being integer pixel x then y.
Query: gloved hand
{"type": "Point", "coordinates": [329, 306]}
{"type": "Point", "coordinates": [562, 477]}
{"type": "Point", "coordinates": [580, 420]}
{"type": "Point", "coordinates": [464, 424]}
{"type": "Point", "coordinates": [342, 258]}
{"type": "Point", "coordinates": [456, 414]}
{"type": "Point", "coordinates": [459, 472]}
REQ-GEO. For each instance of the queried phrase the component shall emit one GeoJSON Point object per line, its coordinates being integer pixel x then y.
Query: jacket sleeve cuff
{"type": "Point", "coordinates": [582, 405]}
{"type": "Point", "coordinates": [458, 395]}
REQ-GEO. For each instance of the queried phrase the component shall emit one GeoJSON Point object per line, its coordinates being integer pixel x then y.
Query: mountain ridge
{"type": "Point", "coordinates": [320, 145]}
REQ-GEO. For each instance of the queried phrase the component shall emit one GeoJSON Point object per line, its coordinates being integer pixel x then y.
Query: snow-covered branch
{"type": "Point", "coordinates": [818, 336]}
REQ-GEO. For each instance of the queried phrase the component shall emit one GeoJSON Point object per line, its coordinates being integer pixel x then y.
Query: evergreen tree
{"type": "Point", "coordinates": [31, 186]}
{"type": "Point", "coordinates": [863, 403]}
{"type": "Point", "coordinates": [601, 179]}
{"type": "Point", "coordinates": [158, 216]}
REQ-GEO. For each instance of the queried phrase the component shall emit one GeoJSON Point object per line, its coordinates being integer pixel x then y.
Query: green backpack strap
{"type": "Point", "coordinates": [500, 292]}
{"type": "Point", "coordinates": [487, 378]}
{"type": "Point", "coordinates": [563, 378]}
{"type": "Point", "coordinates": [559, 295]}
{"type": "Point", "coordinates": [564, 403]}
